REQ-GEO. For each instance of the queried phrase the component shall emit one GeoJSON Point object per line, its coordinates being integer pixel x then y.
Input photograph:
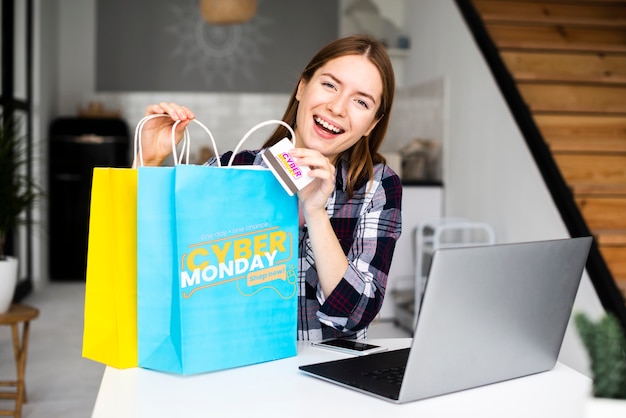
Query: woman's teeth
{"type": "Point", "coordinates": [328, 126]}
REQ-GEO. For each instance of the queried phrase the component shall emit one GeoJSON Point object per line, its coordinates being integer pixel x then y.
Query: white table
{"type": "Point", "coordinates": [279, 389]}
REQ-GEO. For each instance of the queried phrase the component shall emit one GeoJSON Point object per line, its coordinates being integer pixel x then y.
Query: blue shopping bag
{"type": "Point", "coordinates": [217, 256]}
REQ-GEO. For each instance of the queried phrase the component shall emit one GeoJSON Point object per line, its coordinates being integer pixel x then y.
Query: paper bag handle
{"type": "Point", "coordinates": [254, 128]}
{"type": "Point", "coordinates": [186, 140]}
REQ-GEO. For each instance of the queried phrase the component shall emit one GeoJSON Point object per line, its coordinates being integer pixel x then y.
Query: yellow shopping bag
{"type": "Point", "coordinates": [110, 322]}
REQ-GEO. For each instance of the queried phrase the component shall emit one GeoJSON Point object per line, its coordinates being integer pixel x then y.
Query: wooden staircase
{"type": "Point", "coordinates": [568, 60]}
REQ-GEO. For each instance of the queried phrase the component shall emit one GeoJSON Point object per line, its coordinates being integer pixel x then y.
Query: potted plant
{"type": "Point", "coordinates": [605, 342]}
{"type": "Point", "coordinates": [17, 194]}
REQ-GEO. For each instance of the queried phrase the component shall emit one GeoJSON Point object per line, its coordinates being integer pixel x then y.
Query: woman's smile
{"type": "Point", "coordinates": [327, 127]}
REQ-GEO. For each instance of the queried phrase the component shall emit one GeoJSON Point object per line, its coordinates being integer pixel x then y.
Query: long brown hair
{"type": "Point", "coordinates": [363, 155]}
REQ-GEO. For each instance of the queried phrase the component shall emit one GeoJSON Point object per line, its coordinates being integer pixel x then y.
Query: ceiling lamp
{"type": "Point", "coordinates": [224, 12]}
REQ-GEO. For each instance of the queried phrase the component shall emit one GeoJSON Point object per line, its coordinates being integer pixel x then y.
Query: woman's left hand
{"type": "Point", "coordinates": [314, 196]}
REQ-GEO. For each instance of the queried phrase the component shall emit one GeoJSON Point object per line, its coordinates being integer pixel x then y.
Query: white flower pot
{"type": "Point", "coordinates": [605, 408]}
{"type": "Point", "coordinates": [8, 279]}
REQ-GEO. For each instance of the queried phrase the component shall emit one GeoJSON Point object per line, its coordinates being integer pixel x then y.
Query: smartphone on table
{"type": "Point", "coordinates": [359, 348]}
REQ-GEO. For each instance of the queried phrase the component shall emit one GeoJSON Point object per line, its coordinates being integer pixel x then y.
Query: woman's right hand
{"type": "Point", "coordinates": [156, 134]}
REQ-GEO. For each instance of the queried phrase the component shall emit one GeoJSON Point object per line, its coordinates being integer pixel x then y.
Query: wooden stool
{"type": "Point", "coordinates": [17, 313]}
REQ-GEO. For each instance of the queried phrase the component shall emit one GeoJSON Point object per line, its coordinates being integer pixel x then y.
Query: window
{"type": "Point", "coordinates": [16, 102]}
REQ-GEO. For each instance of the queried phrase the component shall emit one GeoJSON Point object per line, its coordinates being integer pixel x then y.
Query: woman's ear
{"type": "Point", "coordinates": [301, 85]}
{"type": "Point", "coordinates": [373, 124]}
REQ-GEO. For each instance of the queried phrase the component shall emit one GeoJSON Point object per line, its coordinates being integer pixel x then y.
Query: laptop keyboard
{"type": "Point", "coordinates": [392, 375]}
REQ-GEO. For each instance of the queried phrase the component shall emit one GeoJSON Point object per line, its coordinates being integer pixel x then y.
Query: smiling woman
{"type": "Point", "coordinates": [350, 216]}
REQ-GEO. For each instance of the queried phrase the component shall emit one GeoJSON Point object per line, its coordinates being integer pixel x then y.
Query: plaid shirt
{"type": "Point", "coordinates": [367, 227]}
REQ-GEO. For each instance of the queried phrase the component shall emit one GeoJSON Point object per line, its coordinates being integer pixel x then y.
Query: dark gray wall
{"type": "Point", "coordinates": [163, 45]}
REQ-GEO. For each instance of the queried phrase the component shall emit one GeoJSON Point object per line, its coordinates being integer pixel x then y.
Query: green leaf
{"type": "Point", "coordinates": [606, 345]}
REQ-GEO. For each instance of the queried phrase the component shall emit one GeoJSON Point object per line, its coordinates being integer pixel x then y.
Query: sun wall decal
{"type": "Point", "coordinates": [220, 54]}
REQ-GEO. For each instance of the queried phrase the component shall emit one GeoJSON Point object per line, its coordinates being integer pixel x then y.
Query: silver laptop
{"type": "Point", "coordinates": [488, 314]}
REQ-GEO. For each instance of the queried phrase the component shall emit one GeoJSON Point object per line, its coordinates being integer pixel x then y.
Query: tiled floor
{"type": "Point", "coordinates": [60, 383]}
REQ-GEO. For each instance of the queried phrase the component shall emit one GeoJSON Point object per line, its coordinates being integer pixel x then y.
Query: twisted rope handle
{"type": "Point", "coordinates": [254, 128]}
{"type": "Point", "coordinates": [186, 141]}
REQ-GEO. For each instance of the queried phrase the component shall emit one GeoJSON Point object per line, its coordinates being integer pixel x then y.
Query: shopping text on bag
{"type": "Point", "coordinates": [259, 257]}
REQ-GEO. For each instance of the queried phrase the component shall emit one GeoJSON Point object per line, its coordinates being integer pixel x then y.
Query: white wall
{"type": "Point", "coordinates": [45, 92]}
{"type": "Point", "coordinates": [488, 172]}
{"type": "Point", "coordinates": [77, 59]}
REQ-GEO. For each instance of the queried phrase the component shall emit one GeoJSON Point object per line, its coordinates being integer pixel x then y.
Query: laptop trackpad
{"type": "Point", "coordinates": [379, 373]}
